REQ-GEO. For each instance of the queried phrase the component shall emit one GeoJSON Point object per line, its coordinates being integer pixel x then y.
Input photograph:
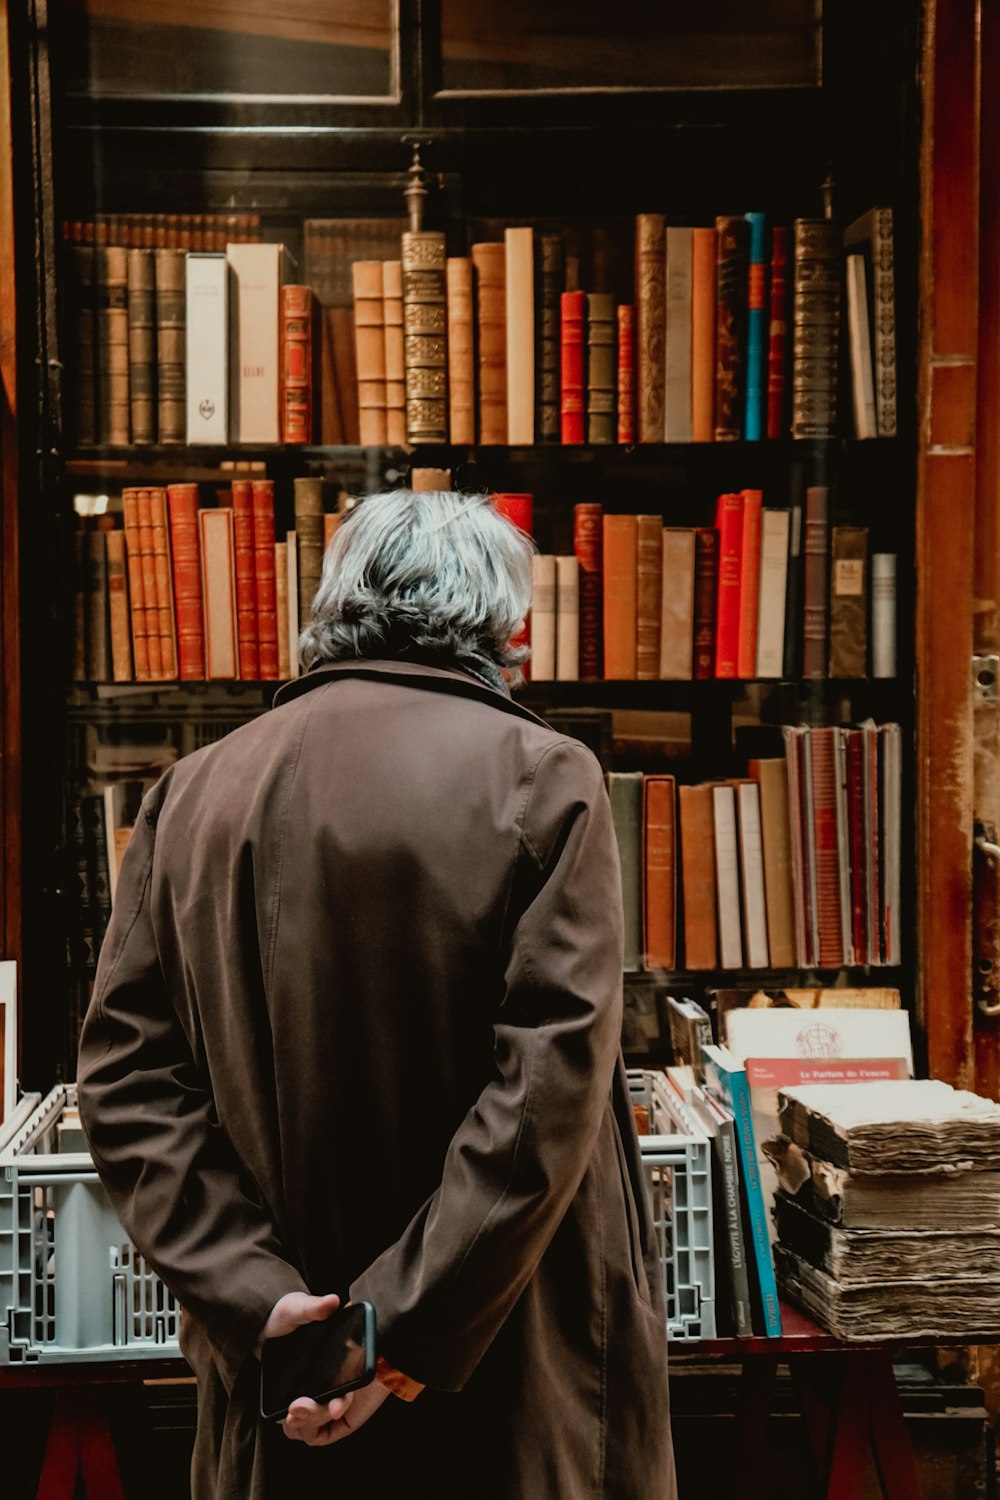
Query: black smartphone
{"type": "Point", "coordinates": [321, 1360]}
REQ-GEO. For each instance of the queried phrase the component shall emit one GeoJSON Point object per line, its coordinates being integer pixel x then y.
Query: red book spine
{"type": "Point", "coordinates": [246, 580]}
{"type": "Point", "coordinates": [296, 364]}
{"type": "Point", "coordinates": [856, 817]}
{"type": "Point", "coordinates": [626, 375]}
{"type": "Point", "coordinates": [520, 510]}
{"type": "Point", "coordinates": [824, 790]}
{"type": "Point", "coordinates": [572, 404]}
{"type": "Point", "coordinates": [147, 552]}
{"type": "Point", "coordinates": [185, 553]}
{"type": "Point", "coordinates": [706, 586]}
{"type": "Point", "coordinates": [588, 536]}
{"type": "Point", "coordinates": [729, 525]}
{"type": "Point", "coordinates": [777, 335]}
{"type": "Point", "coordinates": [267, 584]}
{"type": "Point", "coordinates": [746, 665]}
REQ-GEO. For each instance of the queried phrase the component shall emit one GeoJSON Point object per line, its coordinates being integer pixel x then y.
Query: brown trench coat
{"type": "Point", "coordinates": [356, 1028]}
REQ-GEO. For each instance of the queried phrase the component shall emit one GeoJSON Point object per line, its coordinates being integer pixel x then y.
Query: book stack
{"type": "Point", "coordinates": [888, 1217]}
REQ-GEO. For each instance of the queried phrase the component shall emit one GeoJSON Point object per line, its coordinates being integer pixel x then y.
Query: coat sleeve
{"type": "Point", "coordinates": [444, 1289]}
{"type": "Point", "coordinates": [170, 1170]}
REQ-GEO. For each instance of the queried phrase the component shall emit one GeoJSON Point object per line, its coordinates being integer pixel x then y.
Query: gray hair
{"type": "Point", "coordinates": [427, 574]}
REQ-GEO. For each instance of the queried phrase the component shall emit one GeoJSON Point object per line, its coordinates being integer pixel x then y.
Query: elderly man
{"type": "Point", "coordinates": [355, 1032]}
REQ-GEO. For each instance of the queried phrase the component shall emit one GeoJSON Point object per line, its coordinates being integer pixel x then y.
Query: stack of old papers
{"type": "Point", "coordinates": [888, 1213]}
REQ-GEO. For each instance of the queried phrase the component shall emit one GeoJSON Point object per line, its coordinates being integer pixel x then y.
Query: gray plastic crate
{"type": "Point", "coordinates": [72, 1287]}
{"type": "Point", "coordinates": [677, 1157]}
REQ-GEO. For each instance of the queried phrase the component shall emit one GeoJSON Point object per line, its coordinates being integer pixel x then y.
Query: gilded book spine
{"type": "Point", "coordinates": [142, 344]}
{"type": "Point", "coordinates": [185, 549]}
{"type": "Point", "coordinates": [571, 366]}
{"type": "Point", "coordinates": [137, 592]}
{"type": "Point", "coordinates": [248, 651]}
{"type": "Point", "coordinates": [112, 321]}
{"type": "Point", "coordinates": [170, 345]}
{"type": "Point", "coordinates": [548, 287]}
{"type": "Point", "coordinates": [626, 373]}
{"type": "Point", "coordinates": [489, 266]}
{"type": "Point", "coordinates": [267, 589]}
{"type": "Point", "coordinates": [601, 362]}
{"type": "Point", "coordinates": [297, 316]}
{"type": "Point", "coordinates": [650, 284]}
{"type": "Point", "coordinates": [815, 328]}
{"type": "Point", "coordinates": [395, 362]}
{"type": "Point", "coordinates": [369, 344]}
{"type": "Point", "coordinates": [425, 336]}
{"type": "Point", "coordinates": [730, 326]}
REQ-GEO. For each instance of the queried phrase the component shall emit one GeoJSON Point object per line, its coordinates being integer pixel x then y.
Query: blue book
{"type": "Point", "coordinates": [755, 415]}
{"type": "Point", "coordinates": [726, 1080]}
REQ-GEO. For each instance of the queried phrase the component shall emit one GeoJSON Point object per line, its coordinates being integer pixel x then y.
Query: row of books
{"type": "Point", "coordinates": [198, 347]}
{"type": "Point", "coordinates": [734, 332]}
{"type": "Point", "coordinates": [192, 592]}
{"type": "Point", "coordinates": [796, 865]}
{"type": "Point", "coordinates": [158, 231]}
{"type": "Point", "coordinates": [743, 599]}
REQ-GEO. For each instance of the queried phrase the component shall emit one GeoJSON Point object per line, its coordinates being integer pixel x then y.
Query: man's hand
{"type": "Point", "coordinates": [318, 1426]}
{"type": "Point", "coordinates": [291, 1311]}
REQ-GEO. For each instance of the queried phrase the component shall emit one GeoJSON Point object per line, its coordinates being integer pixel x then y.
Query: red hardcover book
{"type": "Point", "coordinates": [136, 590]}
{"type": "Point", "coordinates": [267, 585]}
{"type": "Point", "coordinates": [777, 335]}
{"type": "Point", "coordinates": [296, 364]}
{"type": "Point", "coordinates": [706, 586]}
{"type": "Point", "coordinates": [856, 819]}
{"type": "Point", "coordinates": [823, 775]}
{"type": "Point", "coordinates": [246, 580]}
{"type": "Point", "coordinates": [571, 376]}
{"type": "Point", "coordinates": [588, 538]}
{"type": "Point", "coordinates": [164, 584]}
{"type": "Point", "coordinates": [626, 374]}
{"type": "Point", "coordinates": [185, 552]}
{"type": "Point", "coordinates": [147, 553]}
{"type": "Point", "coordinates": [746, 663]}
{"type": "Point", "coordinates": [729, 525]}
{"type": "Point", "coordinates": [520, 510]}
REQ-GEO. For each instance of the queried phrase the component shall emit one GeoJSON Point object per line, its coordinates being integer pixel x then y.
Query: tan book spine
{"type": "Point", "coordinates": [257, 274]}
{"type": "Point", "coordinates": [369, 347]}
{"type": "Point", "coordinates": [425, 336]}
{"type": "Point", "coordinates": [703, 279]}
{"type": "Point", "coordinates": [461, 352]}
{"type": "Point", "coordinates": [567, 619]}
{"type": "Point", "coordinates": [167, 626]}
{"type": "Point", "coordinates": [112, 323]}
{"type": "Point", "coordinates": [621, 540]}
{"type": "Point", "coordinates": [147, 554]}
{"type": "Point", "coordinates": [489, 267]}
{"type": "Point", "coordinates": [142, 345]}
{"type": "Point", "coordinates": [650, 268]}
{"type": "Point", "coordinates": [281, 602]}
{"type": "Point", "coordinates": [219, 591]}
{"type": "Point", "coordinates": [772, 778]}
{"type": "Point", "coordinates": [543, 618]}
{"type": "Point", "coordinates": [118, 614]}
{"type": "Point", "coordinates": [309, 542]}
{"type": "Point", "coordinates": [649, 592]}
{"type": "Point", "coordinates": [395, 362]}
{"type": "Point", "coordinates": [677, 605]}
{"type": "Point", "coordinates": [520, 270]}
{"type": "Point", "coordinates": [171, 351]}
{"type": "Point", "coordinates": [697, 826]}
{"type": "Point", "coordinates": [137, 596]}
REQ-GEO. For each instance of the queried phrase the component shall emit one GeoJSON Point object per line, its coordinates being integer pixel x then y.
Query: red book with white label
{"type": "Point", "coordinates": [729, 525]}
{"type": "Point", "coordinates": [246, 580]}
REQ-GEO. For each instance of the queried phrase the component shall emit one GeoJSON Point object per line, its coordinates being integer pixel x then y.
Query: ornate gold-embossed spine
{"type": "Point", "coordinates": [425, 336]}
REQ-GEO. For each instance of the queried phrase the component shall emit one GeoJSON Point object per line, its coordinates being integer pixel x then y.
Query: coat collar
{"type": "Point", "coordinates": [414, 674]}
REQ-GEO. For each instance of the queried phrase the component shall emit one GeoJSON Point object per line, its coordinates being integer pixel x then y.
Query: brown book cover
{"type": "Point", "coordinates": [520, 274]}
{"type": "Point", "coordinates": [219, 592]}
{"type": "Point", "coordinates": [601, 367]}
{"type": "Point", "coordinates": [99, 664]}
{"type": "Point", "coordinates": [369, 349]}
{"type": "Point", "coordinates": [815, 327]}
{"type": "Point", "coordinates": [659, 872]}
{"type": "Point", "coordinates": [548, 289]}
{"type": "Point", "coordinates": [171, 283]}
{"type": "Point", "coordinates": [730, 326]}
{"type": "Point", "coordinates": [649, 595]}
{"type": "Point", "coordinates": [425, 336]}
{"type": "Point", "coordinates": [626, 373]}
{"type": "Point", "coordinates": [83, 294]}
{"type": "Point", "coordinates": [621, 575]}
{"type": "Point", "coordinates": [118, 612]}
{"type": "Point", "coordinates": [848, 601]}
{"type": "Point", "coordinates": [136, 588]}
{"type": "Point", "coordinates": [142, 345]}
{"type": "Point", "coordinates": [816, 551]}
{"type": "Point", "coordinates": [461, 352]}
{"type": "Point", "coordinates": [697, 831]}
{"type": "Point", "coordinates": [112, 330]}
{"type": "Point", "coordinates": [706, 593]}
{"type": "Point", "coordinates": [650, 296]}
{"type": "Point", "coordinates": [144, 507]}
{"type": "Point", "coordinates": [772, 778]}
{"type": "Point", "coordinates": [677, 604]}
{"type": "Point", "coordinates": [777, 334]}
{"type": "Point", "coordinates": [245, 572]}
{"type": "Point", "coordinates": [185, 553]}
{"type": "Point", "coordinates": [489, 268]}
{"type": "Point", "coordinates": [309, 542]}
{"type": "Point", "coordinates": [298, 322]}
{"type": "Point", "coordinates": [267, 597]}
{"type": "Point", "coordinates": [395, 357]}
{"type": "Point", "coordinates": [164, 584]}
{"type": "Point", "coordinates": [588, 539]}
{"type": "Point", "coordinates": [704, 275]}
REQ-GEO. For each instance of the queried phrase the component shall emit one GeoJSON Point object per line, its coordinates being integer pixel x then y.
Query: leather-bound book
{"type": "Point", "coordinates": [308, 542]}
{"type": "Point", "coordinates": [649, 592]}
{"type": "Point", "coordinates": [219, 588]}
{"type": "Point", "coordinates": [729, 525]}
{"type": "Point", "coordinates": [572, 414]}
{"type": "Point", "coordinates": [626, 373]}
{"type": "Point", "coordinates": [461, 352]}
{"type": "Point", "coordinates": [601, 362]}
{"type": "Point", "coordinates": [659, 872]}
{"type": "Point", "coordinates": [749, 596]}
{"type": "Point", "coordinates": [170, 345]}
{"type": "Point", "coordinates": [520, 262]}
{"type": "Point", "coordinates": [144, 512]}
{"type": "Point", "coordinates": [99, 665]}
{"type": "Point", "coordinates": [136, 587]}
{"type": "Point", "coordinates": [730, 326]}
{"type": "Point", "coordinates": [677, 604]}
{"type": "Point", "coordinates": [395, 353]}
{"type": "Point", "coordinates": [425, 336]}
{"type": "Point", "coordinates": [298, 321]}
{"type": "Point", "coordinates": [697, 830]}
{"type": "Point", "coordinates": [588, 539]}
{"type": "Point", "coordinates": [704, 275]}
{"type": "Point", "coordinates": [625, 793]}
{"type": "Point", "coordinates": [827, 835]}
{"type": "Point", "coordinates": [185, 555]}
{"type": "Point", "coordinates": [872, 235]}
{"type": "Point", "coordinates": [281, 597]}
{"type": "Point", "coordinates": [164, 583]}
{"type": "Point", "coordinates": [267, 597]}
{"type": "Point", "coordinates": [859, 834]}
{"type": "Point", "coordinates": [112, 331]}
{"type": "Point", "coordinates": [567, 619]}
{"type": "Point", "coordinates": [815, 328]}
{"type": "Point", "coordinates": [777, 334]}
{"type": "Point", "coordinates": [621, 572]}
{"type": "Point", "coordinates": [118, 612]}
{"type": "Point", "coordinates": [848, 601]}
{"type": "Point", "coordinates": [369, 344]}
{"type": "Point", "coordinates": [489, 271]}
{"type": "Point", "coordinates": [543, 618]}
{"type": "Point", "coordinates": [245, 571]}
{"type": "Point", "coordinates": [755, 401]}
{"type": "Point", "coordinates": [650, 298]}
{"type": "Point", "coordinates": [142, 345]}
{"type": "Point", "coordinates": [548, 289]}
{"type": "Point", "coordinates": [772, 778]}
{"type": "Point", "coordinates": [816, 550]}
{"type": "Point", "coordinates": [677, 356]}
{"type": "Point", "coordinates": [706, 589]}
{"type": "Point", "coordinates": [83, 291]}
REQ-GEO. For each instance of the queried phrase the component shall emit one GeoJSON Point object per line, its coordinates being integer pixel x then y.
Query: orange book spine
{"type": "Point", "coordinates": [659, 873]}
{"type": "Point", "coordinates": [185, 553]}
{"type": "Point", "coordinates": [146, 552]}
{"type": "Point", "coordinates": [247, 606]}
{"type": "Point", "coordinates": [461, 352]}
{"type": "Point", "coordinates": [137, 597]}
{"type": "Point", "coordinates": [703, 278]}
{"type": "Point", "coordinates": [621, 573]}
{"type": "Point", "coordinates": [164, 586]}
{"type": "Point", "coordinates": [296, 364]}
{"type": "Point", "coordinates": [118, 615]}
{"type": "Point", "coordinates": [331, 520]}
{"type": "Point", "coordinates": [746, 649]}
{"type": "Point", "coordinates": [649, 595]}
{"type": "Point", "coordinates": [267, 586]}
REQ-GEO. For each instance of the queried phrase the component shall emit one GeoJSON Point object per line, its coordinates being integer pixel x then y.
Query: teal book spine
{"type": "Point", "coordinates": [756, 379]}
